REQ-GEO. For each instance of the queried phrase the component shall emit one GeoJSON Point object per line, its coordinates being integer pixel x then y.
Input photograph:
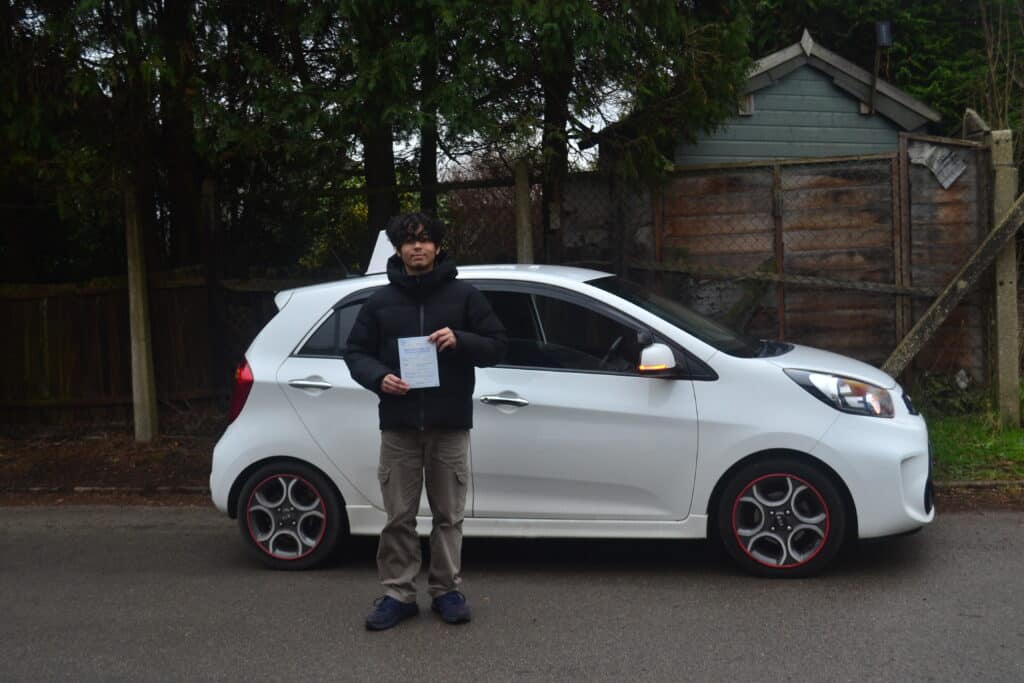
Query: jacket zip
{"type": "Point", "coordinates": [422, 426]}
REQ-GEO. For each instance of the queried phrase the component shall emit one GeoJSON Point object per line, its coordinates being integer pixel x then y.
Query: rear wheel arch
{"type": "Point", "coordinates": [243, 476]}
{"type": "Point", "coordinates": [716, 493]}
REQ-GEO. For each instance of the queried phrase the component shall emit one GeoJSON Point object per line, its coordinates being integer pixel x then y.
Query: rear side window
{"type": "Point", "coordinates": [329, 339]}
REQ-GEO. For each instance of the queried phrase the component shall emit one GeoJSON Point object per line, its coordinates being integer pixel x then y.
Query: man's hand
{"type": "Point", "coordinates": [444, 338]}
{"type": "Point", "coordinates": [393, 384]}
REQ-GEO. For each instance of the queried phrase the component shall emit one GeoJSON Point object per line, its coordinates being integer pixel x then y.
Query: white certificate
{"type": "Point", "coordinates": [418, 362]}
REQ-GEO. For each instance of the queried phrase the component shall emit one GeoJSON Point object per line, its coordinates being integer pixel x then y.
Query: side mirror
{"type": "Point", "coordinates": [656, 359]}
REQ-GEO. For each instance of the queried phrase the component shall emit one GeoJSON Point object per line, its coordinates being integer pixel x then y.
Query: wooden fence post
{"type": "Point", "coordinates": [1004, 192]}
{"type": "Point", "coordinates": [524, 227]}
{"type": "Point", "coordinates": [143, 382]}
{"type": "Point", "coordinates": [779, 246]}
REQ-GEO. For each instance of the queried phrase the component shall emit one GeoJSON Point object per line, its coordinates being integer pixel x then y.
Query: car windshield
{"type": "Point", "coordinates": [686, 319]}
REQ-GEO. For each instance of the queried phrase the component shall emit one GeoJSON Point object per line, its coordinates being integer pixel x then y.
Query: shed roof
{"type": "Point", "coordinates": [890, 101]}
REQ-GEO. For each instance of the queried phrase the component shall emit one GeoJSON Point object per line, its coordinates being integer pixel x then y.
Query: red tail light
{"type": "Point", "coordinates": [243, 383]}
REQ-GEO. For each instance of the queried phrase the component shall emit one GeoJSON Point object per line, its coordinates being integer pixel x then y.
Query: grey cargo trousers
{"type": "Point", "coordinates": [405, 456]}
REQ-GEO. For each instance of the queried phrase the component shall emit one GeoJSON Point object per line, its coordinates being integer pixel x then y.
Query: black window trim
{"type": "Point", "coordinates": [702, 373]}
{"type": "Point", "coordinates": [351, 299]}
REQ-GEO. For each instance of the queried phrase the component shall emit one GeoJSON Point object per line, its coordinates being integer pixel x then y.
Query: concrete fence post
{"type": "Point", "coordinates": [1007, 346]}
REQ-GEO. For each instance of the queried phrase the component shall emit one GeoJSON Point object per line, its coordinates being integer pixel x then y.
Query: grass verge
{"type": "Point", "coordinates": [974, 447]}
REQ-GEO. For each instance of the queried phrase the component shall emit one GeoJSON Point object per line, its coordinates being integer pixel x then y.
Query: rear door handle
{"type": "Point", "coordinates": [309, 384]}
{"type": "Point", "coordinates": [504, 401]}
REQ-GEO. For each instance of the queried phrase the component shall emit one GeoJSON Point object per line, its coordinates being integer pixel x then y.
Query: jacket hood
{"type": "Point", "coordinates": [444, 270]}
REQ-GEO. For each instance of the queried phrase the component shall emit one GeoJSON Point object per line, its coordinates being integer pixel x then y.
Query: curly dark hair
{"type": "Point", "coordinates": [400, 228]}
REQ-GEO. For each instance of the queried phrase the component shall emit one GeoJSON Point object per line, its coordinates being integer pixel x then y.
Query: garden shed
{"type": "Point", "coordinates": [807, 101]}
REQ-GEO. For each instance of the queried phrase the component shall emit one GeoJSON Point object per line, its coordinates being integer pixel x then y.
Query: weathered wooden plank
{"type": "Point", "coordinates": [711, 244]}
{"type": "Point", "coordinates": [815, 240]}
{"type": "Point", "coordinates": [830, 260]}
{"type": "Point", "coordinates": [950, 234]}
{"type": "Point", "coordinates": [719, 183]}
{"type": "Point", "coordinates": [735, 268]}
{"type": "Point", "coordinates": [735, 204]}
{"type": "Point", "coordinates": [828, 220]}
{"type": "Point", "coordinates": [841, 302]}
{"type": "Point", "coordinates": [840, 198]}
{"type": "Point", "coordinates": [848, 175]}
{"type": "Point", "coordinates": [956, 213]}
{"type": "Point", "coordinates": [717, 224]}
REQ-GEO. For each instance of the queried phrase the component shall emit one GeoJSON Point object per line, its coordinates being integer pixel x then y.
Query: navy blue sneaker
{"type": "Point", "coordinates": [452, 607]}
{"type": "Point", "coordinates": [387, 612]}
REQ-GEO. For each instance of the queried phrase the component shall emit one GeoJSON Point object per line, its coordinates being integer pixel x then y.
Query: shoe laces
{"type": "Point", "coordinates": [380, 601]}
{"type": "Point", "coordinates": [453, 597]}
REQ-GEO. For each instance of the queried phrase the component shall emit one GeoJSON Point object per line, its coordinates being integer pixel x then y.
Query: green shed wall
{"type": "Point", "coordinates": [803, 115]}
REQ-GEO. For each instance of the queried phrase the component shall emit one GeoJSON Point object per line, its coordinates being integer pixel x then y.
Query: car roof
{"type": "Point", "coordinates": [509, 271]}
{"type": "Point", "coordinates": [502, 271]}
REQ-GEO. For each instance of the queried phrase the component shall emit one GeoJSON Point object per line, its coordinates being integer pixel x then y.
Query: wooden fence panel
{"type": "Point", "coordinates": [66, 353]}
{"type": "Point", "coordinates": [837, 219]}
{"type": "Point", "coordinates": [849, 220]}
{"type": "Point", "coordinates": [946, 226]}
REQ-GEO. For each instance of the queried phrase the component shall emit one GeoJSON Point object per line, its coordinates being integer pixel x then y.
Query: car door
{"type": "Point", "coordinates": [340, 414]}
{"type": "Point", "coordinates": [567, 427]}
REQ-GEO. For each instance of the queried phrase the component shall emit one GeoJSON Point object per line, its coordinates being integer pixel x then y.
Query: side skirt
{"type": "Point", "coordinates": [365, 520]}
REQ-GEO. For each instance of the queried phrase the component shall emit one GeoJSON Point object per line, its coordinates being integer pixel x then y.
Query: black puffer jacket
{"type": "Point", "coordinates": [415, 306]}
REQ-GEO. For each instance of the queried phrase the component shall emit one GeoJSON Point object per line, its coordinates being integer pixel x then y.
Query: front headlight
{"type": "Point", "coordinates": [845, 394]}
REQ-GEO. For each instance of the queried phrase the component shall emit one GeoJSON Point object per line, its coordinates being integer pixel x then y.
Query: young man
{"type": "Point", "coordinates": [424, 431]}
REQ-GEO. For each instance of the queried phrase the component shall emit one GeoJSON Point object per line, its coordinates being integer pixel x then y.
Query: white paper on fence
{"type": "Point", "coordinates": [417, 359]}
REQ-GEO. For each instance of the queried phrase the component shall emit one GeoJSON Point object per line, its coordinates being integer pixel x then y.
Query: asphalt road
{"type": "Point", "coordinates": [135, 594]}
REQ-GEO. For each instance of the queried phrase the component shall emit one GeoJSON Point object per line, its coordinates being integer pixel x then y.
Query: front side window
{"type": "Point", "coordinates": [708, 331]}
{"type": "Point", "coordinates": [550, 332]}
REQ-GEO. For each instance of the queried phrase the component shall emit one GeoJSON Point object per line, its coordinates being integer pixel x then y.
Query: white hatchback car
{"type": "Point", "coordinates": [617, 413]}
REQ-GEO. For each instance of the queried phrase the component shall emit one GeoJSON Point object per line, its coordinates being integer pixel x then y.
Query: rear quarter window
{"type": "Point", "coordinates": [329, 339]}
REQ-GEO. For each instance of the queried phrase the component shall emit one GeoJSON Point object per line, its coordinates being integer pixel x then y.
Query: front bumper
{"type": "Point", "coordinates": [886, 465]}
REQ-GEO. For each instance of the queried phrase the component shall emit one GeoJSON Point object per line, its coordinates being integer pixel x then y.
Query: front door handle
{"type": "Point", "coordinates": [309, 384]}
{"type": "Point", "coordinates": [504, 401]}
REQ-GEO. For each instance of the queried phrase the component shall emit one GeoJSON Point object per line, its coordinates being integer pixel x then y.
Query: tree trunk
{"type": "Point", "coordinates": [178, 135]}
{"type": "Point", "coordinates": [428, 131]}
{"type": "Point", "coordinates": [556, 159]}
{"type": "Point", "coordinates": [381, 181]}
{"type": "Point", "coordinates": [220, 364]}
{"type": "Point", "coordinates": [132, 116]}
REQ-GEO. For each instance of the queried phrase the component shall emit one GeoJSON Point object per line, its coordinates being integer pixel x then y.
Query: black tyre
{"type": "Point", "coordinates": [289, 516]}
{"type": "Point", "coordinates": [781, 517]}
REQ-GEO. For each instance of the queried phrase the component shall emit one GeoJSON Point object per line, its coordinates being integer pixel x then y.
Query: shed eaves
{"type": "Point", "coordinates": [890, 101]}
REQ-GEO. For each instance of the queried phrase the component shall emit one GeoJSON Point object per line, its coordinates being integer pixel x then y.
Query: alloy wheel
{"type": "Point", "coordinates": [286, 516]}
{"type": "Point", "coordinates": [780, 521]}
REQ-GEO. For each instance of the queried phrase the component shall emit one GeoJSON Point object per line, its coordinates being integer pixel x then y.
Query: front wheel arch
{"type": "Point", "coordinates": [716, 493]}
